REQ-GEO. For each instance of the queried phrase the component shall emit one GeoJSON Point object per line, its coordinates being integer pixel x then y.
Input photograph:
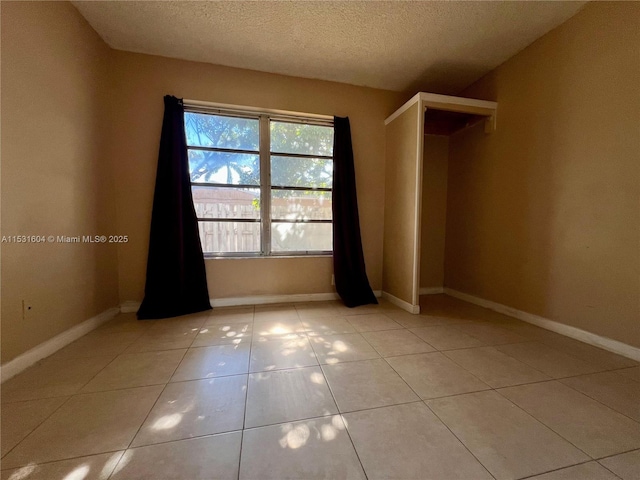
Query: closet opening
{"type": "Point", "coordinates": [417, 156]}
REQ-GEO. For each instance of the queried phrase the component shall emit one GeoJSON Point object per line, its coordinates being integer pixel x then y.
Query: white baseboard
{"type": "Point", "coordinates": [37, 353]}
{"type": "Point", "coordinates": [401, 303]}
{"type": "Point", "coordinates": [567, 330]}
{"type": "Point", "coordinates": [267, 299]}
{"type": "Point", "coordinates": [130, 306]}
{"type": "Point", "coordinates": [431, 290]}
{"type": "Point", "coordinates": [133, 306]}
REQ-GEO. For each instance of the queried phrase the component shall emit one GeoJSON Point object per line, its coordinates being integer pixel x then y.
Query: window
{"type": "Point", "coordinates": [261, 183]}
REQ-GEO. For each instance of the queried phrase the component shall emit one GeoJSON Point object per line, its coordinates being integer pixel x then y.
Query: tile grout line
{"type": "Point", "coordinates": [335, 402]}
{"type": "Point", "coordinates": [345, 317]}
{"type": "Point", "coordinates": [420, 399]}
{"type": "Point", "coordinates": [543, 424]}
{"type": "Point", "coordinates": [166, 384]}
{"type": "Point", "coordinates": [48, 462]}
{"type": "Point", "coordinates": [596, 400]}
{"type": "Point", "coordinates": [346, 425]}
{"type": "Point", "coordinates": [561, 468]}
{"type": "Point", "coordinates": [457, 438]}
{"type": "Point", "coordinates": [616, 454]}
{"type": "Point", "coordinates": [76, 393]}
{"type": "Point", "coordinates": [246, 393]}
{"type": "Point", "coordinates": [38, 425]}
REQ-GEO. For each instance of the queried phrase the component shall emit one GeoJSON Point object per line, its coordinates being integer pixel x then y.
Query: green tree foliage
{"type": "Point", "coordinates": [204, 130]}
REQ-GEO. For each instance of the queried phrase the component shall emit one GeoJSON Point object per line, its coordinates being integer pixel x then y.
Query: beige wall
{"type": "Point", "coordinates": [434, 210]}
{"type": "Point", "coordinates": [544, 214]}
{"type": "Point", "coordinates": [140, 82]}
{"type": "Point", "coordinates": [55, 179]}
{"type": "Point", "coordinates": [401, 144]}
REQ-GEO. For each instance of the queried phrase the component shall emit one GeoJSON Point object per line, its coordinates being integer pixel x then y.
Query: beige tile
{"type": "Point", "coordinates": [396, 342]}
{"type": "Point", "coordinates": [584, 471]}
{"type": "Point", "coordinates": [96, 344]}
{"type": "Point", "coordinates": [614, 390]}
{"type": "Point", "coordinates": [317, 310]}
{"type": "Point", "coordinates": [277, 329]}
{"type": "Point", "coordinates": [409, 320]}
{"type": "Point", "coordinates": [429, 320]}
{"type": "Point", "coordinates": [287, 395]}
{"type": "Point", "coordinates": [181, 324]}
{"type": "Point", "coordinates": [317, 449]}
{"type": "Point", "coordinates": [406, 319]}
{"type": "Point", "coordinates": [154, 341]}
{"type": "Point", "coordinates": [433, 375]}
{"type": "Point", "coordinates": [195, 408]}
{"type": "Point", "coordinates": [490, 316]}
{"type": "Point", "coordinates": [94, 467]}
{"type": "Point", "coordinates": [593, 355]}
{"type": "Point", "coordinates": [229, 315]}
{"type": "Point", "coordinates": [206, 458]}
{"type": "Point", "coordinates": [53, 377]}
{"type": "Point", "coordinates": [385, 305]}
{"type": "Point", "coordinates": [490, 334]}
{"type": "Point", "coordinates": [531, 331]}
{"type": "Point", "coordinates": [327, 326]}
{"type": "Point", "coordinates": [276, 313]}
{"type": "Point", "coordinates": [633, 372]}
{"type": "Point", "coordinates": [362, 310]}
{"type": "Point", "coordinates": [626, 465]}
{"type": "Point", "coordinates": [372, 322]}
{"type": "Point", "coordinates": [366, 384]}
{"type": "Point", "coordinates": [446, 337]}
{"type": "Point", "coordinates": [592, 427]}
{"type": "Point", "coordinates": [85, 425]}
{"type": "Point", "coordinates": [546, 359]}
{"type": "Point", "coordinates": [124, 322]}
{"type": "Point", "coordinates": [278, 354]}
{"type": "Point", "coordinates": [136, 370]}
{"type": "Point", "coordinates": [409, 442]}
{"type": "Point", "coordinates": [224, 334]}
{"type": "Point", "coordinates": [332, 349]}
{"type": "Point", "coordinates": [445, 306]}
{"type": "Point", "coordinates": [495, 368]}
{"type": "Point", "coordinates": [506, 440]}
{"type": "Point", "coordinates": [216, 361]}
{"type": "Point", "coordinates": [20, 419]}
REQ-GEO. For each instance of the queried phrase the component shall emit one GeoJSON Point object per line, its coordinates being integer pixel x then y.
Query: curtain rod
{"type": "Point", "coordinates": [242, 108]}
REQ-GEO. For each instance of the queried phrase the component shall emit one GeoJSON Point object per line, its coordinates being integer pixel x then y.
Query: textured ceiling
{"type": "Point", "coordinates": [440, 47]}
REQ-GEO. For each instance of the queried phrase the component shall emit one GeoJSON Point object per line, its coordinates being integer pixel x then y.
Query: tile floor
{"type": "Point", "coordinates": [319, 391]}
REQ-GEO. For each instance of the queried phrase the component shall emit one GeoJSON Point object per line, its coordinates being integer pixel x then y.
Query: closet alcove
{"type": "Point", "coordinates": [416, 151]}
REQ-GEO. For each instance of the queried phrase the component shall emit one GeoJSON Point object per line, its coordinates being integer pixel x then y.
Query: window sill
{"type": "Point", "coordinates": [258, 257]}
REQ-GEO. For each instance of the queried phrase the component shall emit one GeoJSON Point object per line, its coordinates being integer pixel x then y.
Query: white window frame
{"type": "Point", "coordinates": [264, 116]}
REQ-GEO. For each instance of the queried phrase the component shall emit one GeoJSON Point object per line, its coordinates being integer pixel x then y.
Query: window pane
{"type": "Point", "coordinates": [204, 130]}
{"type": "Point", "coordinates": [222, 167]}
{"type": "Point", "coordinates": [229, 237]}
{"type": "Point", "coordinates": [301, 237]}
{"type": "Point", "coordinates": [301, 138]}
{"type": "Point", "coordinates": [301, 172]}
{"type": "Point", "coordinates": [299, 205]}
{"type": "Point", "coordinates": [221, 202]}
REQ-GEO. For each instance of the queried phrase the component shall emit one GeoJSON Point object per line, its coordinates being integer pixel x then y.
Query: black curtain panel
{"type": "Point", "coordinates": [351, 279]}
{"type": "Point", "coordinates": [176, 279]}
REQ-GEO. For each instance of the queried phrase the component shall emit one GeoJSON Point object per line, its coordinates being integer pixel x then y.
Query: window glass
{"type": "Point", "coordinates": [301, 138]}
{"type": "Point", "coordinates": [224, 167]}
{"type": "Point", "coordinates": [225, 160]}
{"type": "Point", "coordinates": [301, 237]}
{"type": "Point", "coordinates": [300, 205]}
{"type": "Point", "coordinates": [230, 237]}
{"type": "Point", "coordinates": [216, 202]}
{"type": "Point", "coordinates": [301, 172]}
{"type": "Point", "coordinates": [205, 130]}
